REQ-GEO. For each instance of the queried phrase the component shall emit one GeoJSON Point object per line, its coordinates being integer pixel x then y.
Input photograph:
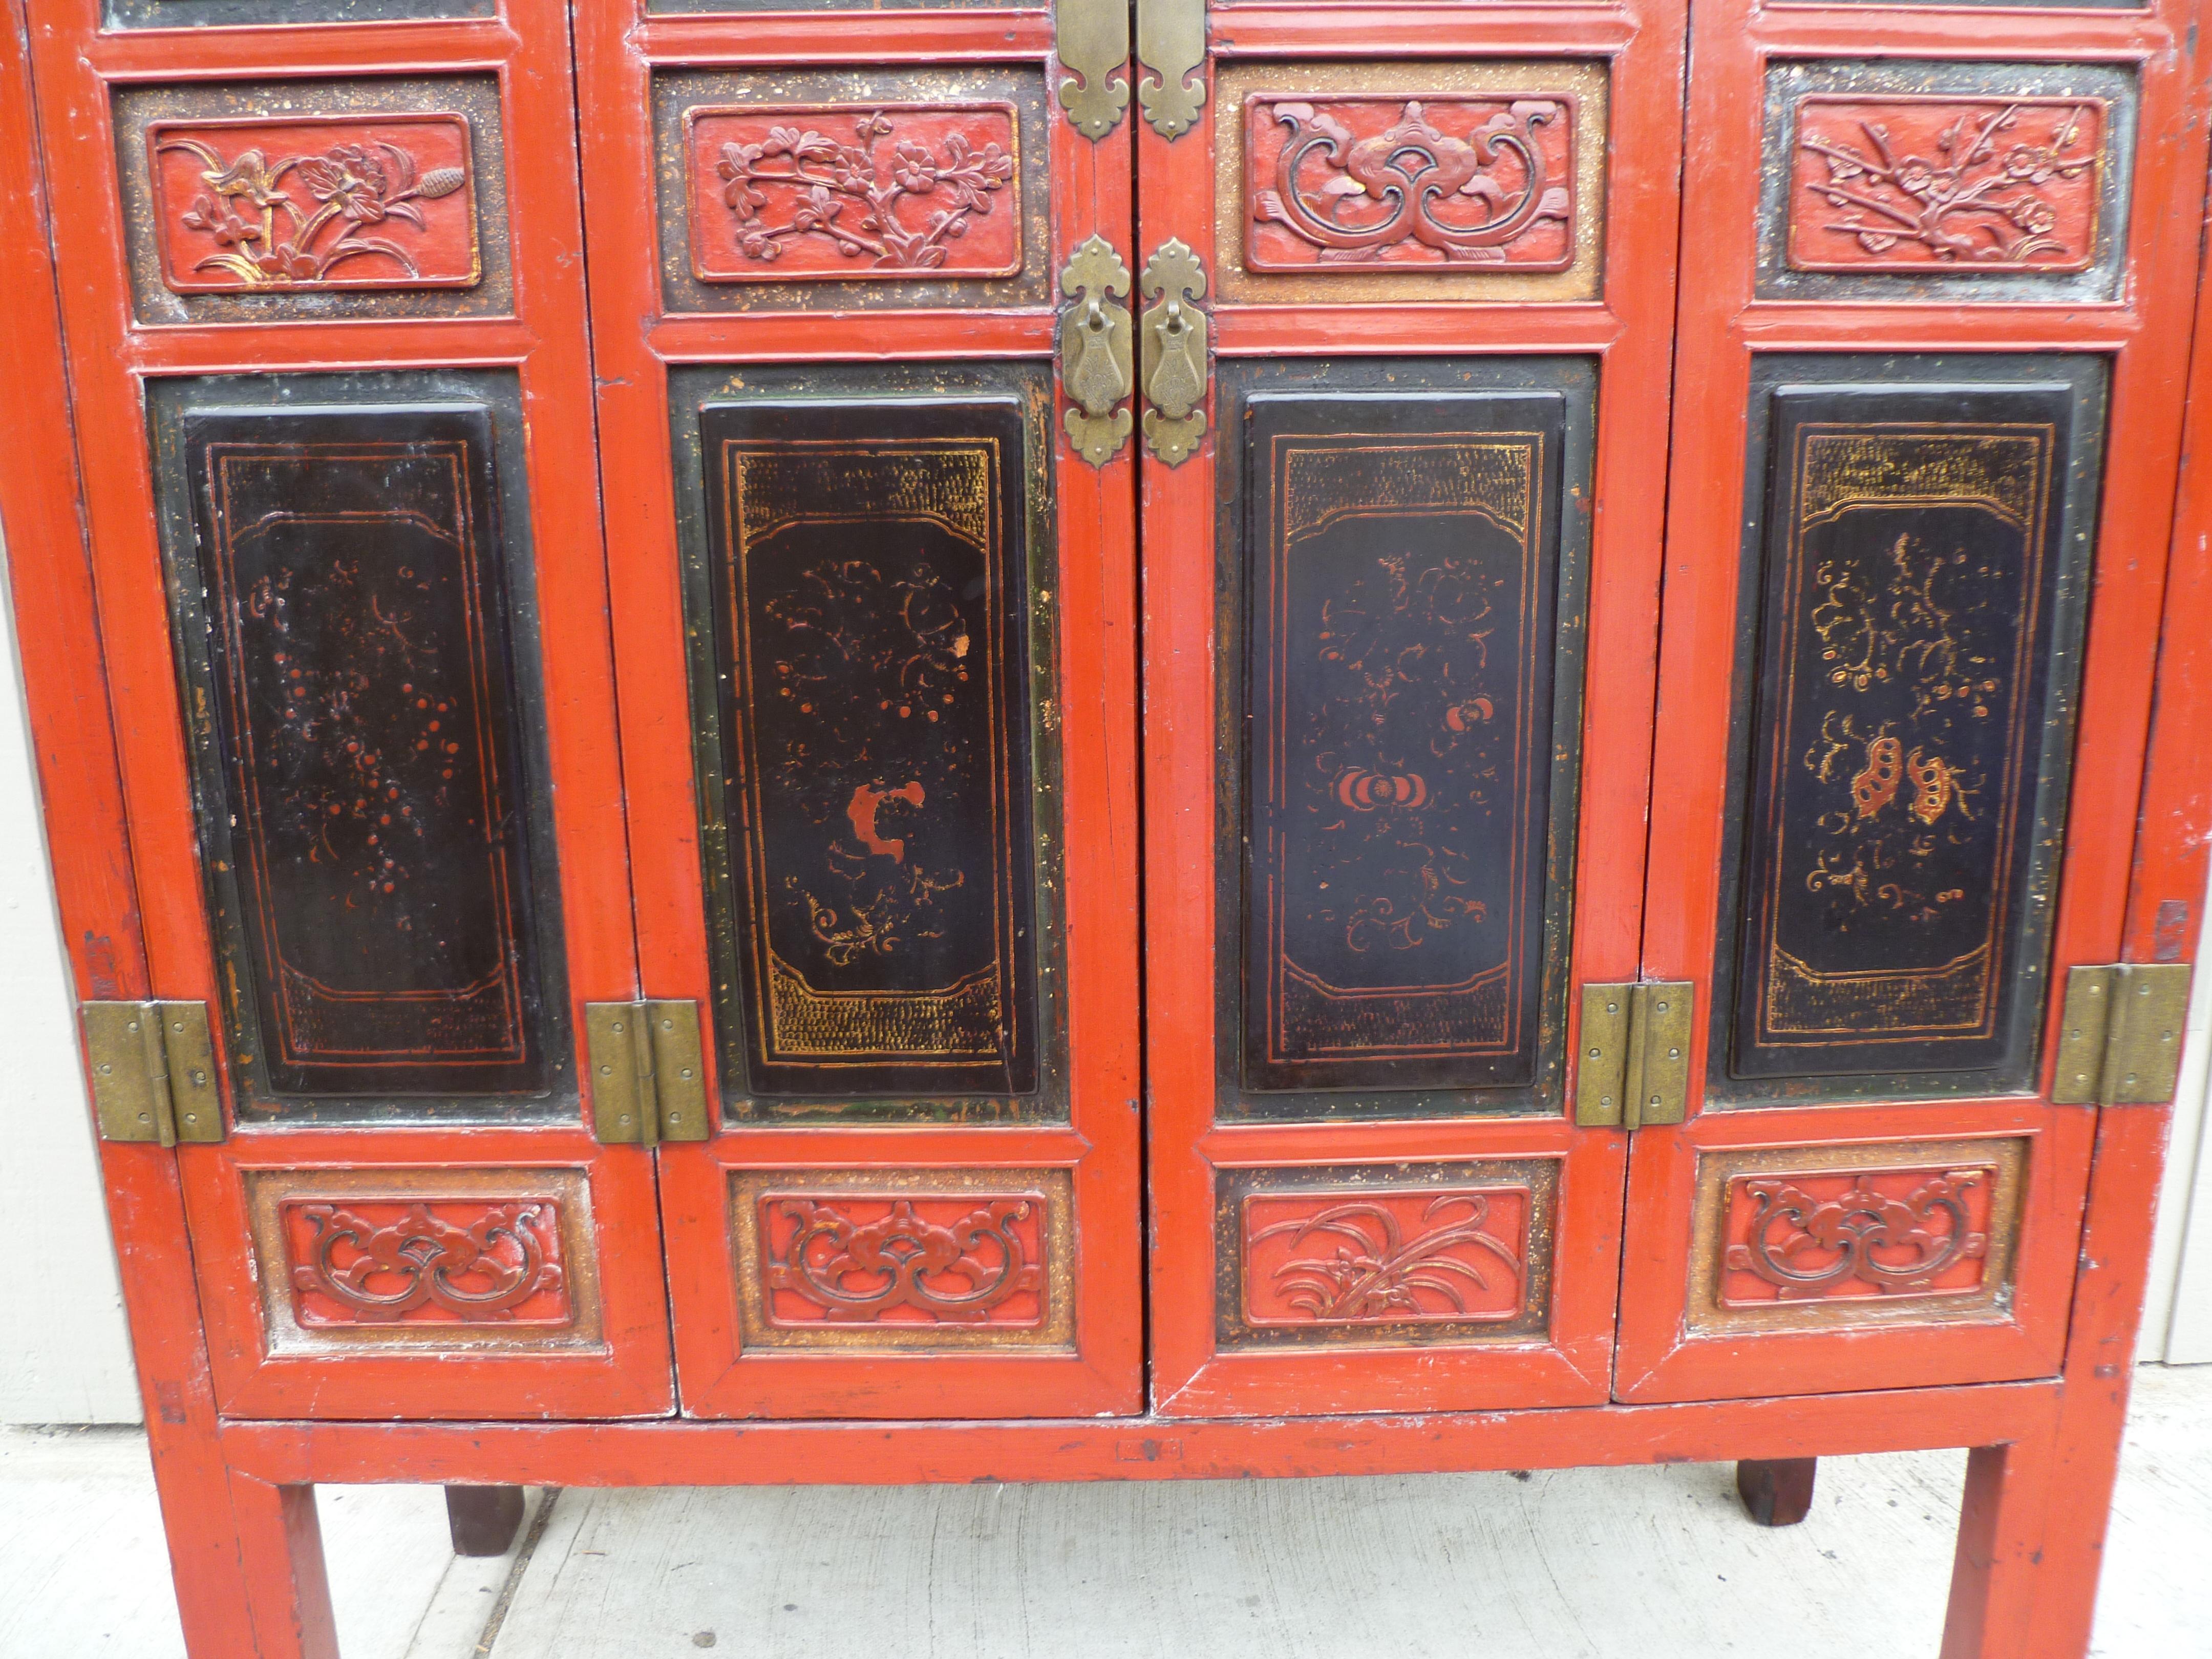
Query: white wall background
{"type": "Point", "coordinates": [65, 1353]}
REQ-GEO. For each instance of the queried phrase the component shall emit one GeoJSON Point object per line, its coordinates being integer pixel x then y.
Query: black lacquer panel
{"type": "Point", "coordinates": [370, 756]}
{"type": "Point", "coordinates": [1899, 770]}
{"type": "Point", "coordinates": [1400, 561]}
{"type": "Point", "coordinates": [869, 568]}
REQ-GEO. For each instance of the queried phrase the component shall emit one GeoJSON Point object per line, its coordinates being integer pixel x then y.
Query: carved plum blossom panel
{"type": "Point", "coordinates": [1367, 180]}
{"type": "Point", "coordinates": [1357, 1257]}
{"type": "Point", "coordinates": [935, 1259]}
{"type": "Point", "coordinates": [289, 204]}
{"type": "Point", "coordinates": [425, 1262]}
{"type": "Point", "coordinates": [1838, 1233]}
{"type": "Point", "coordinates": [1970, 184]}
{"type": "Point", "coordinates": [838, 191]}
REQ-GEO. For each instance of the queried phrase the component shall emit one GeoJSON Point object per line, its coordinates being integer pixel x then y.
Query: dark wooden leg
{"type": "Point", "coordinates": [484, 1519]}
{"type": "Point", "coordinates": [1779, 1493]}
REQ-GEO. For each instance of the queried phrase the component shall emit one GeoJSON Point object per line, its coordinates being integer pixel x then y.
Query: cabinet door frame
{"type": "Point", "coordinates": [1628, 329]}
{"type": "Point", "coordinates": [1724, 325]}
{"type": "Point", "coordinates": [639, 340]}
{"type": "Point", "coordinates": [541, 339]}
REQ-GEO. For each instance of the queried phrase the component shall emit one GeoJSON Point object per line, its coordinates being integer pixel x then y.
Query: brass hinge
{"type": "Point", "coordinates": [153, 1071]}
{"type": "Point", "coordinates": [2119, 1034]}
{"type": "Point", "coordinates": [648, 1083]}
{"type": "Point", "coordinates": [1633, 1070]}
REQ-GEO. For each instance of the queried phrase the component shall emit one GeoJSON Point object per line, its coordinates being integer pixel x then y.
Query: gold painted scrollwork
{"type": "Point", "coordinates": [1172, 46]}
{"type": "Point", "coordinates": [1092, 37]}
{"type": "Point", "coordinates": [1173, 335]}
{"type": "Point", "coordinates": [1095, 369]}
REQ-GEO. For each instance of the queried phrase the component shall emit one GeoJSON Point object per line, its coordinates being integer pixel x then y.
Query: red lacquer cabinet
{"type": "Point", "coordinates": [947, 742]}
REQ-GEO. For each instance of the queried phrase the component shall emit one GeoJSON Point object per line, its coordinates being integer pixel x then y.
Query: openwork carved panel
{"type": "Point", "coordinates": [849, 189]}
{"type": "Point", "coordinates": [494, 1259]}
{"type": "Point", "coordinates": [1912, 558]}
{"type": "Point", "coordinates": [297, 200]}
{"type": "Point", "coordinates": [1391, 183]}
{"type": "Point", "coordinates": [1807, 1237]}
{"type": "Point", "coordinates": [855, 190]}
{"type": "Point", "coordinates": [871, 576]}
{"type": "Point", "coordinates": [1960, 184]}
{"type": "Point", "coordinates": [426, 1263]}
{"type": "Point", "coordinates": [1400, 574]}
{"type": "Point", "coordinates": [875, 1259]}
{"type": "Point", "coordinates": [1338, 179]}
{"type": "Point", "coordinates": [274, 205]}
{"type": "Point", "coordinates": [1385, 1254]}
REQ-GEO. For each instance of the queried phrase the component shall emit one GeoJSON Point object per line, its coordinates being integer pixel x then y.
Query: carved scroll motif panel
{"type": "Point", "coordinates": [1385, 1254]}
{"type": "Point", "coordinates": [1472, 180]}
{"type": "Point", "coordinates": [492, 1259]}
{"type": "Point", "coordinates": [945, 1259]}
{"type": "Point", "coordinates": [1808, 1238]}
{"type": "Point", "coordinates": [278, 206]}
{"type": "Point", "coordinates": [1912, 559]}
{"type": "Point", "coordinates": [367, 721]}
{"type": "Point", "coordinates": [1401, 575]}
{"type": "Point", "coordinates": [869, 573]}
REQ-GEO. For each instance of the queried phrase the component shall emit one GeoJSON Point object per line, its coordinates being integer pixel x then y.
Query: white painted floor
{"type": "Point", "coordinates": [1619, 1564]}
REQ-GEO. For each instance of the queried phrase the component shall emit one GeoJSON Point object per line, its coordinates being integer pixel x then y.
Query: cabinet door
{"type": "Point", "coordinates": [1927, 423]}
{"type": "Point", "coordinates": [874, 605]}
{"type": "Point", "coordinates": [326, 327]}
{"type": "Point", "coordinates": [1402, 562]}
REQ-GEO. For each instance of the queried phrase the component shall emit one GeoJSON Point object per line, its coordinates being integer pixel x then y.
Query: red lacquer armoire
{"type": "Point", "coordinates": [794, 741]}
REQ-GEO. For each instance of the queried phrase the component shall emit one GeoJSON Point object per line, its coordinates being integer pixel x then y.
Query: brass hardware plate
{"type": "Point", "coordinates": [1171, 45]}
{"type": "Point", "coordinates": [1095, 369]}
{"type": "Point", "coordinates": [1633, 1069]}
{"type": "Point", "coordinates": [648, 1078]}
{"type": "Point", "coordinates": [153, 1072]}
{"type": "Point", "coordinates": [2119, 1034]}
{"type": "Point", "coordinates": [1172, 340]}
{"type": "Point", "coordinates": [1603, 1062]}
{"type": "Point", "coordinates": [1092, 37]}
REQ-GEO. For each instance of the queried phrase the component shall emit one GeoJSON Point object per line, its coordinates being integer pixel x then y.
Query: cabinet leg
{"type": "Point", "coordinates": [1777, 1493]}
{"type": "Point", "coordinates": [484, 1519]}
{"type": "Point", "coordinates": [280, 1541]}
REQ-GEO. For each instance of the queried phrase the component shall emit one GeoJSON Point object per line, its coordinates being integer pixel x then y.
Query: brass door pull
{"type": "Point", "coordinates": [1174, 347]}
{"type": "Point", "coordinates": [1094, 350]}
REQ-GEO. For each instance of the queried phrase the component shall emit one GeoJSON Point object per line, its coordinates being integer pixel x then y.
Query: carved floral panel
{"type": "Point", "coordinates": [1372, 1258]}
{"type": "Point", "coordinates": [875, 1259]}
{"type": "Point", "coordinates": [1385, 1254]}
{"type": "Point", "coordinates": [1368, 181]}
{"type": "Point", "coordinates": [838, 191]}
{"type": "Point", "coordinates": [1797, 1235]}
{"type": "Point", "coordinates": [426, 1261]}
{"type": "Point", "coordinates": [1972, 185]}
{"type": "Point", "coordinates": [287, 205]}
{"type": "Point", "coordinates": [1806, 1239]}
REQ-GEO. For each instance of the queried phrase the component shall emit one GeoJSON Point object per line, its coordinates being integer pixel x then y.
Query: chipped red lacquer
{"type": "Point", "coordinates": [1360, 181]}
{"type": "Point", "coordinates": [425, 1263]}
{"type": "Point", "coordinates": [1836, 1235]}
{"type": "Point", "coordinates": [1375, 1257]}
{"type": "Point", "coordinates": [1946, 183]}
{"type": "Point", "coordinates": [235, 1449]}
{"type": "Point", "coordinates": [288, 205]}
{"type": "Point", "coordinates": [840, 190]}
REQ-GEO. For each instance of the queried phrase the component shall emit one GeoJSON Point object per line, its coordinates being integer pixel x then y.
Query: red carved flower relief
{"type": "Point", "coordinates": [1385, 1257]}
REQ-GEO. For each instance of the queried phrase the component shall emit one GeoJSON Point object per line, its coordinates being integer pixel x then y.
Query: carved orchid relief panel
{"type": "Point", "coordinates": [1366, 180]}
{"type": "Point", "coordinates": [306, 204]}
{"type": "Point", "coordinates": [1385, 1257]}
{"type": "Point", "coordinates": [838, 191]}
{"type": "Point", "coordinates": [1946, 183]}
{"type": "Point", "coordinates": [427, 1262]}
{"type": "Point", "coordinates": [876, 1258]}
